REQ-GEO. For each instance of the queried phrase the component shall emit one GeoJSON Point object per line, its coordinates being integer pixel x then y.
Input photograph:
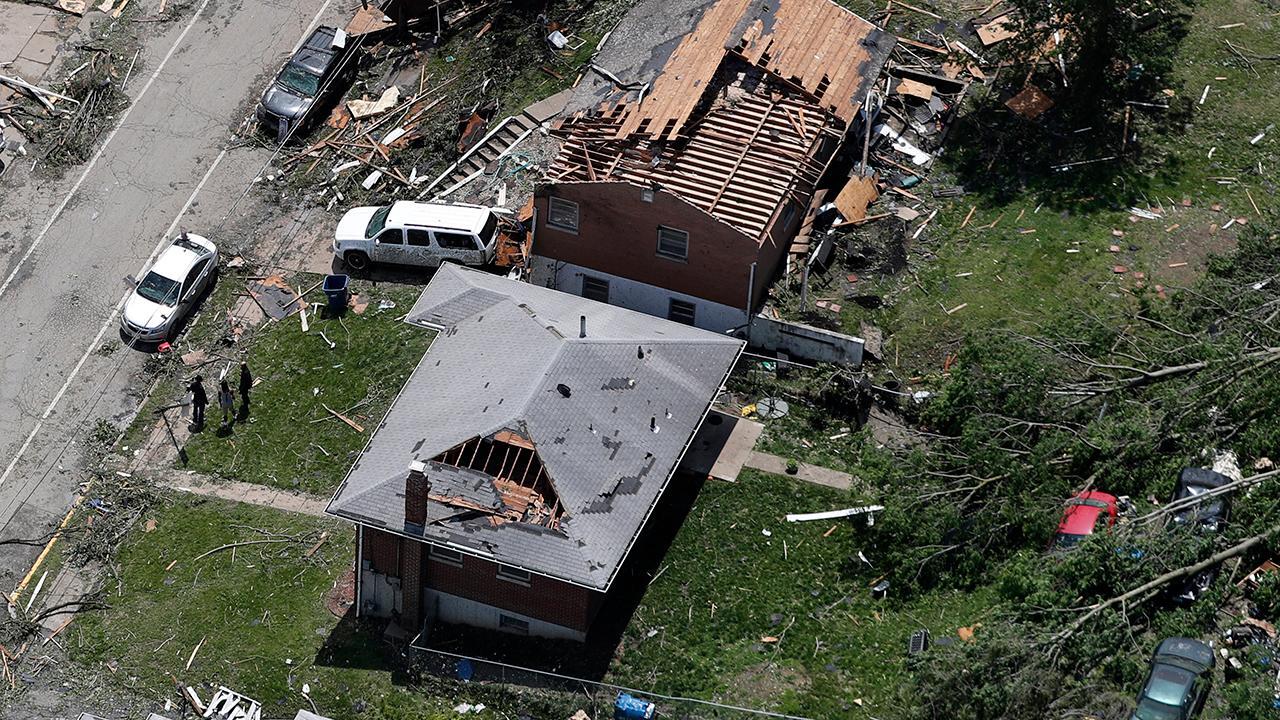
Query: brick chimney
{"type": "Point", "coordinates": [416, 488]}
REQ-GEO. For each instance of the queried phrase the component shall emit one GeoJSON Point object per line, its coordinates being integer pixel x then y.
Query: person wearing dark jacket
{"type": "Point", "coordinates": [246, 383]}
{"type": "Point", "coordinates": [198, 402]}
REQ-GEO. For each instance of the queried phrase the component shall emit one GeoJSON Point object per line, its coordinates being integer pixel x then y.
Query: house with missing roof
{"type": "Point", "coordinates": [689, 159]}
{"type": "Point", "coordinates": [519, 464]}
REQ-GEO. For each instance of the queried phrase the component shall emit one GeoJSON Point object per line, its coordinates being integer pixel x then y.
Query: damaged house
{"type": "Point", "coordinates": [516, 469]}
{"type": "Point", "coordinates": [689, 158]}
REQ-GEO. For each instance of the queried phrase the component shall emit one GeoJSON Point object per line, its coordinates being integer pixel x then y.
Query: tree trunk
{"type": "Point", "coordinates": [1165, 579]}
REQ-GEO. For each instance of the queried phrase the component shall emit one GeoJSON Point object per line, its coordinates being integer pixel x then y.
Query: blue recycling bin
{"type": "Point", "coordinates": [335, 288]}
{"type": "Point", "coordinates": [630, 707]}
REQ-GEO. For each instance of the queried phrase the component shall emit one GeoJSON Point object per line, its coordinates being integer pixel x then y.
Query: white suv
{"type": "Point", "coordinates": [416, 233]}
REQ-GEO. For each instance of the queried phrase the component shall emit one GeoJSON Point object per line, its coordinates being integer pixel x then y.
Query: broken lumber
{"type": "Point", "coordinates": [350, 423]}
{"type": "Point", "coordinates": [23, 84]}
{"type": "Point", "coordinates": [194, 650]}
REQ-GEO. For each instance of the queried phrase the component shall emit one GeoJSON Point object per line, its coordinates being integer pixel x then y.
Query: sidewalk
{"type": "Point", "coordinates": [30, 40]}
{"type": "Point", "coordinates": [252, 494]}
{"type": "Point", "coordinates": [815, 474]}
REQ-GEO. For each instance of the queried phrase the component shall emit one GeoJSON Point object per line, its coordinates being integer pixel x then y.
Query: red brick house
{"type": "Point", "coordinates": [683, 177]}
{"type": "Point", "coordinates": [509, 480]}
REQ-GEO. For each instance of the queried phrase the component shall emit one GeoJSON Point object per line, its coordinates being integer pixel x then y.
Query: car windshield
{"type": "Point", "coordinates": [1168, 685]}
{"type": "Point", "coordinates": [378, 221]}
{"type": "Point", "coordinates": [297, 79]}
{"type": "Point", "coordinates": [1151, 710]}
{"type": "Point", "coordinates": [159, 289]}
{"type": "Point", "coordinates": [1066, 541]}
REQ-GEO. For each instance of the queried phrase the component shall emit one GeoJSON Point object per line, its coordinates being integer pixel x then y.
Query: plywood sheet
{"type": "Point", "coordinates": [1030, 103]}
{"type": "Point", "coordinates": [855, 196]}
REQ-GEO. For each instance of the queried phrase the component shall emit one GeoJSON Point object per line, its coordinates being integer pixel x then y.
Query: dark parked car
{"type": "Point", "coordinates": [1081, 518]}
{"type": "Point", "coordinates": [1206, 517]}
{"type": "Point", "coordinates": [309, 79]}
{"type": "Point", "coordinates": [1178, 682]}
{"type": "Point", "coordinates": [1209, 514]}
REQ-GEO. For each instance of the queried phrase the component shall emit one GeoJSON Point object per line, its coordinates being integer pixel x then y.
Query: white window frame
{"type": "Point", "coordinates": [552, 202]}
{"type": "Point", "coordinates": [445, 555]}
{"type": "Point", "coordinates": [670, 255]}
{"type": "Point", "coordinates": [514, 575]}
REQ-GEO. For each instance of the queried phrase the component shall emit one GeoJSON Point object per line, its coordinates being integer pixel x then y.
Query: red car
{"type": "Point", "coordinates": [1082, 517]}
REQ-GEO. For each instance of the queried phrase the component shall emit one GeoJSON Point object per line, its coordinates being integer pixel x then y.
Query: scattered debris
{"type": "Point", "coordinates": [867, 510]}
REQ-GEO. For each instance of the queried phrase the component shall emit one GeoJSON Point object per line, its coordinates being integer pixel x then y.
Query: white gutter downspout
{"type": "Point", "coordinates": [359, 564]}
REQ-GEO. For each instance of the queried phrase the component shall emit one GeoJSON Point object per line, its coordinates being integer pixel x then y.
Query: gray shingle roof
{"type": "Point", "coordinates": [638, 387]}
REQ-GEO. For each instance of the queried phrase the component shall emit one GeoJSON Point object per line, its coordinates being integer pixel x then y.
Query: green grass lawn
{"type": "Point", "coordinates": [258, 616]}
{"type": "Point", "coordinates": [290, 440]}
{"type": "Point", "coordinates": [705, 625]}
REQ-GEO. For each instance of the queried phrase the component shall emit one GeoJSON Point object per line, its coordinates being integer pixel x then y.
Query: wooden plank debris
{"type": "Point", "coordinates": [998, 30]}
{"type": "Point", "coordinates": [368, 19]}
{"type": "Point", "coordinates": [350, 423]}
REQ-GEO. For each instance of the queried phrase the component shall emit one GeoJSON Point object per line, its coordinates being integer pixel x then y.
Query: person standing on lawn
{"type": "Point", "coordinates": [198, 402]}
{"type": "Point", "coordinates": [246, 383]}
{"type": "Point", "coordinates": [227, 402]}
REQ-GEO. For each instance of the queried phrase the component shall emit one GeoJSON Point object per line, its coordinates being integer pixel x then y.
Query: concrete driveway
{"type": "Point", "coordinates": [66, 245]}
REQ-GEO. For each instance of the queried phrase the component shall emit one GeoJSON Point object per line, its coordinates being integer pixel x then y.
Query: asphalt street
{"type": "Point", "coordinates": [66, 245]}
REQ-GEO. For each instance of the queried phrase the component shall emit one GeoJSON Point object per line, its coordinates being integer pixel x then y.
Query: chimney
{"type": "Point", "coordinates": [416, 488]}
{"type": "Point", "coordinates": [582, 326]}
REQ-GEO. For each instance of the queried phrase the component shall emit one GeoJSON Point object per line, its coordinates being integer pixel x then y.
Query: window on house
{"type": "Point", "coordinates": [455, 241]}
{"type": "Point", "coordinates": [418, 238]}
{"type": "Point", "coordinates": [562, 214]}
{"type": "Point", "coordinates": [513, 624]}
{"type": "Point", "coordinates": [513, 574]}
{"type": "Point", "coordinates": [594, 288]}
{"type": "Point", "coordinates": [680, 311]}
{"type": "Point", "coordinates": [672, 243]}
{"type": "Point", "coordinates": [445, 555]}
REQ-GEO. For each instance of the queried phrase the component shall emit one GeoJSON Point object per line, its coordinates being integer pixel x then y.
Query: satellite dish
{"type": "Point", "coordinates": [772, 408]}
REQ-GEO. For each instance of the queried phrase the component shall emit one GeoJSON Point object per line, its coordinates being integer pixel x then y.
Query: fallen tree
{"type": "Point", "coordinates": [1149, 587]}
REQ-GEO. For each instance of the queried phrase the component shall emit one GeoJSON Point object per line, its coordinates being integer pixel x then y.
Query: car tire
{"type": "Point", "coordinates": [356, 260]}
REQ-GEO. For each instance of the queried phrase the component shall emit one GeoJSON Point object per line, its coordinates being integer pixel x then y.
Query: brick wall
{"type": "Point", "coordinates": [382, 551]}
{"type": "Point", "coordinates": [618, 234]}
{"type": "Point", "coordinates": [477, 579]}
{"type": "Point", "coordinates": [546, 599]}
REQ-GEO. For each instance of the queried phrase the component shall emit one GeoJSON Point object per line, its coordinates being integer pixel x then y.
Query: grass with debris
{"type": "Point", "coordinates": [1052, 250]}
{"type": "Point", "coordinates": [252, 618]}
{"type": "Point", "coordinates": [290, 439]}
{"type": "Point", "coordinates": [754, 611]}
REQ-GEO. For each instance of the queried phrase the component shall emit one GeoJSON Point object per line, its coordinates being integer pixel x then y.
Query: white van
{"type": "Point", "coordinates": [416, 233]}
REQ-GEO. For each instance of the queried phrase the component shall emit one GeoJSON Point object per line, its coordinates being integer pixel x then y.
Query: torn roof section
{"type": "Point", "coordinates": [738, 116]}
{"type": "Point", "coordinates": [816, 46]}
{"type": "Point", "coordinates": [543, 448]}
